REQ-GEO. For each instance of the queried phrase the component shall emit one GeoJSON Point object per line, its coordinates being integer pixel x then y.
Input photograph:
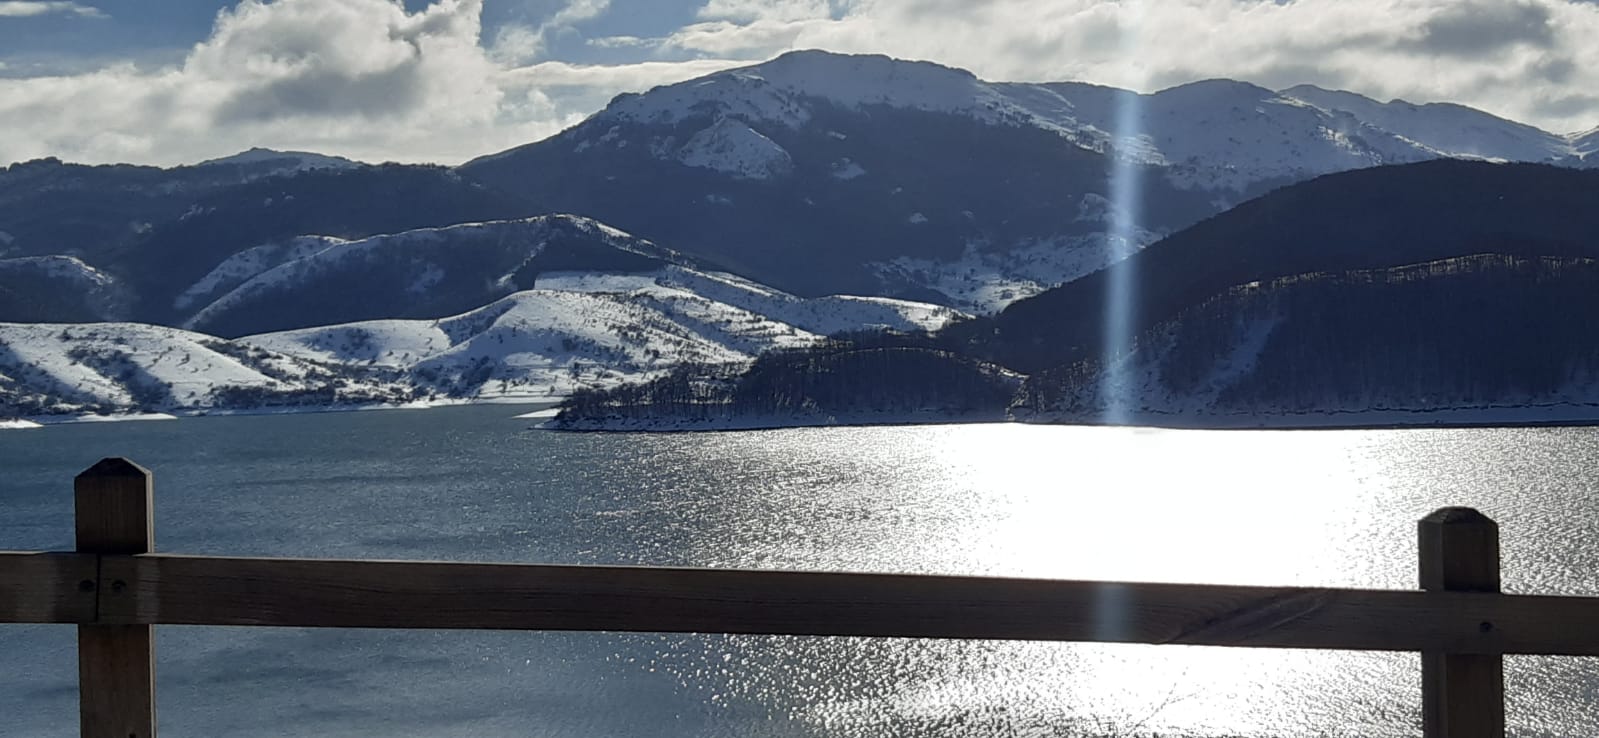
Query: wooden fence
{"type": "Point", "coordinates": [115, 588]}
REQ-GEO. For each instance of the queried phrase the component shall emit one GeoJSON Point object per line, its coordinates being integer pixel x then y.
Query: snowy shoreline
{"type": "Point", "coordinates": [39, 421]}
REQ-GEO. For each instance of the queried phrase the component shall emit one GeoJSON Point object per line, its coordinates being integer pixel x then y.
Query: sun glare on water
{"type": "Point", "coordinates": [1166, 506]}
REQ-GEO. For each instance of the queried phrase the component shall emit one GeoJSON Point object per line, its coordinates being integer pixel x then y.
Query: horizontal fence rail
{"type": "Point", "coordinates": [165, 589]}
{"type": "Point", "coordinates": [114, 588]}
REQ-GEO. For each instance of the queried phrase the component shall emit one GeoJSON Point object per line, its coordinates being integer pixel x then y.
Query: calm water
{"type": "Point", "coordinates": [1310, 508]}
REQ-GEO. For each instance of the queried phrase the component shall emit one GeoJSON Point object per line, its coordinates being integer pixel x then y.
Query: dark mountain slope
{"type": "Point", "coordinates": [1472, 332]}
{"type": "Point", "coordinates": [351, 203]}
{"type": "Point", "coordinates": [929, 185]}
{"type": "Point", "coordinates": [423, 273]}
{"type": "Point", "coordinates": [1364, 219]}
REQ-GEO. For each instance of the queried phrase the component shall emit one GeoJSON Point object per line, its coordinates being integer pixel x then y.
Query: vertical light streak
{"type": "Point", "coordinates": [1126, 196]}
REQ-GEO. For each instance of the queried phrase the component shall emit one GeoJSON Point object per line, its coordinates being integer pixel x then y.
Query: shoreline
{"type": "Point", "coordinates": [41, 421]}
{"type": "Point", "coordinates": [1523, 416]}
{"type": "Point", "coordinates": [1565, 415]}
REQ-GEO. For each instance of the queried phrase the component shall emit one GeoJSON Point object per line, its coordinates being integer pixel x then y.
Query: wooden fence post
{"type": "Point", "coordinates": [1462, 696]}
{"type": "Point", "coordinates": [116, 663]}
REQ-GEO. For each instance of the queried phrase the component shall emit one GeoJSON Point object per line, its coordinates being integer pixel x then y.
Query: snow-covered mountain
{"type": "Point", "coordinates": [541, 343]}
{"type": "Point", "coordinates": [818, 172]}
{"type": "Point", "coordinates": [1587, 146]}
{"type": "Point", "coordinates": [1451, 130]}
{"type": "Point", "coordinates": [103, 368]}
{"type": "Point", "coordinates": [585, 329]}
{"type": "Point", "coordinates": [1216, 134]}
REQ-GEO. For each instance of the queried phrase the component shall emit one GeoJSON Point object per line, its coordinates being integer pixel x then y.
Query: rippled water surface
{"type": "Point", "coordinates": [1307, 508]}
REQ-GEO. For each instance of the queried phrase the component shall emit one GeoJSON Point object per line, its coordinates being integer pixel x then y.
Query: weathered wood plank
{"type": "Point", "coordinates": [116, 681]}
{"type": "Point", "coordinates": [1462, 695]}
{"type": "Point", "coordinates": [372, 594]}
{"type": "Point", "coordinates": [116, 663]}
{"type": "Point", "coordinates": [47, 587]}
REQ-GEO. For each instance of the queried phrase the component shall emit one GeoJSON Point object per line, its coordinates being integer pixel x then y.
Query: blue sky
{"type": "Point", "coordinates": [163, 31]}
{"type": "Point", "coordinates": [175, 81]}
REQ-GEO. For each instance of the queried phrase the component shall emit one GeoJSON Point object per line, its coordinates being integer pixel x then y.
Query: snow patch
{"type": "Point", "coordinates": [984, 280]}
{"type": "Point", "coordinates": [428, 279]}
{"type": "Point", "coordinates": [847, 169]}
{"type": "Point", "coordinates": [731, 147]}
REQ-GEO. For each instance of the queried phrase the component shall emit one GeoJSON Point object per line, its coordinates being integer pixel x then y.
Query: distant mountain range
{"type": "Point", "coordinates": [823, 173]}
{"type": "Point", "coordinates": [768, 190]}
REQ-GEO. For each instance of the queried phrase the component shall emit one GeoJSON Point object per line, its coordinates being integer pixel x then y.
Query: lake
{"type": "Point", "coordinates": [1323, 508]}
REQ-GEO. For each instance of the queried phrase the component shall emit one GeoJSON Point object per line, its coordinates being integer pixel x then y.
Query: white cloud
{"type": "Point", "coordinates": [775, 10]}
{"type": "Point", "coordinates": [360, 78]}
{"type": "Point", "coordinates": [24, 8]}
{"type": "Point", "coordinates": [622, 42]}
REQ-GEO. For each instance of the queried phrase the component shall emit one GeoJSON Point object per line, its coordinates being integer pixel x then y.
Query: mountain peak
{"type": "Point", "coordinates": [290, 160]}
{"type": "Point", "coordinates": [785, 88]}
{"type": "Point", "coordinates": [1217, 88]}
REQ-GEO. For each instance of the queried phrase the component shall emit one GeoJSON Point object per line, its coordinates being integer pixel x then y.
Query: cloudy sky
{"type": "Point", "coordinates": [178, 81]}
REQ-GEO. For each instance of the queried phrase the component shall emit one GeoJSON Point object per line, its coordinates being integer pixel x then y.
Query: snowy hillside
{"type": "Point", "coordinates": [1587, 147]}
{"type": "Point", "coordinates": [592, 329]}
{"type": "Point", "coordinates": [822, 315]}
{"type": "Point", "coordinates": [579, 329]}
{"type": "Point", "coordinates": [127, 367]}
{"type": "Point", "coordinates": [1454, 129]}
{"type": "Point", "coordinates": [544, 343]}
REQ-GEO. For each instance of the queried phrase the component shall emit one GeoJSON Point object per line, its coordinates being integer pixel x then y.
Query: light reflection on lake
{"type": "Point", "coordinates": [1325, 508]}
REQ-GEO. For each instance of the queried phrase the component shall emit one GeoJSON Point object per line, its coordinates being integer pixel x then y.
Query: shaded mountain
{"type": "Point", "coordinates": [1364, 219]}
{"type": "Point", "coordinates": [49, 207]}
{"type": "Point", "coordinates": [259, 162]}
{"type": "Point", "coordinates": [423, 273]}
{"type": "Point", "coordinates": [345, 204]}
{"type": "Point", "coordinates": [44, 288]}
{"type": "Point", "coordinates": [1476, 332]}
{"type": "Point", "coordinates": [856, 199]}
